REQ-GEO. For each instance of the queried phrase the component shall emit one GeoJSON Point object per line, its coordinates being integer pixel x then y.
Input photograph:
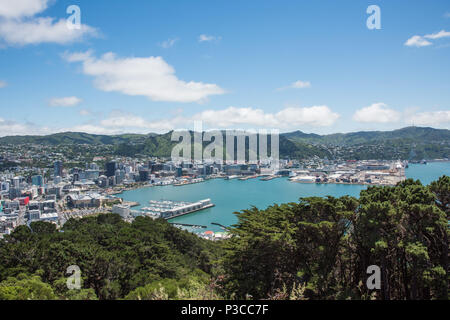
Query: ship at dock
{"type": "Point", "coordinates": [168, 209]}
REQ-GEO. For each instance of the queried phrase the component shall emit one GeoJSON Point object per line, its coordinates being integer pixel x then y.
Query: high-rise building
{"type": "Point", "coordinates": [156, 167]}
{"type": "Point", "coordinates": [4, 186]}
{"type": "Point", "coordinates": [111, 168]}
{"type": "Point", "coordinates": [58, 168]}
{"type": "Point", "coordinates": [120, 176]}
{"type": "Point", "coordinates": [16, 182]}
{"type": "Point", "coordinates": [37, 180]}
{"type": "Point", "coordinates": [143, 175]}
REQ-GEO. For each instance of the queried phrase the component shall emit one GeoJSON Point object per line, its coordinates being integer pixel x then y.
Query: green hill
{"type": "Point", "coordinates": [416, 134]}
{"type": "Point", "coordinates": [414, 143]}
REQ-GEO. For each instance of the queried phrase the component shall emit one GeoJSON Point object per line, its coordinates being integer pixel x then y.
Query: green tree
{"type": "Point", "coordinates": [26, 287]}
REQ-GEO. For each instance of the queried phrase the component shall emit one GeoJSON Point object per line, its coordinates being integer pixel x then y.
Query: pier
{"type": "Point", "coordinates": [168, 209]}
{"type": "Point", "coordinates": [131, 203]}
{"type": "Point", "coordinates": [195, 226]}
{"type": "Point", "coordinates": [220, 225]}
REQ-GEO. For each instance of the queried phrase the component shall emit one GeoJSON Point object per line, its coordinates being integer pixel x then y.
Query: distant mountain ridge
{"type": "Point", "coordinates": [423, 142]}
{"type": "Point", "coordinates": [353, 138]}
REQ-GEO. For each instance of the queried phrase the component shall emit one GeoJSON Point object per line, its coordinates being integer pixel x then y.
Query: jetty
{"type": "Point", "coordinates": [195, 226]}
{"type": "Point", "coordinates": [168, 209]}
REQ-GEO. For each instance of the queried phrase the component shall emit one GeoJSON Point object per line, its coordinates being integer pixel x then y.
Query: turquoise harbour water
{"type": "Point", "coordinates": [234, 195]}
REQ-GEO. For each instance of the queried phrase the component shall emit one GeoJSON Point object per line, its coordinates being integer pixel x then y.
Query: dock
{"type": "Point", "coordinates": [248, 177]}
{"type": "Point", "coordinates": [187, 182]}
{"type": "Point", "coordinates": [131, 203]}
{"type": "Point", "coordinates": [168, 209]}
{"type": "Point", "coordinates": [220, 225]}
{"type": "Point", "coordinates": [268, 178]}
{"type": "Point", "coordinates": [195, 226]}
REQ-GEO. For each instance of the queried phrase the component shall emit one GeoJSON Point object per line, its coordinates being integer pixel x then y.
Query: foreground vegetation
{"type": "Point", "coordinates": [318, 248]}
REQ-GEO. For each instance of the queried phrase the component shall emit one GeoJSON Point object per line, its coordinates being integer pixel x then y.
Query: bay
{"type": "Point", "coordinates": [230, 196]}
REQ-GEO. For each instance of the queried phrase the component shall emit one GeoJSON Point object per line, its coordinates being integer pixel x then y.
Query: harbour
{"type": "Point", "coordinates": [230, 196]}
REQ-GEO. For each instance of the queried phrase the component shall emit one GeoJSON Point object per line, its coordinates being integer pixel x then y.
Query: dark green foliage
{"type": "Point", "coordinates": [115, 257]}
{"type": "Point", "coordinates": [326, 245]}
{"type": "Point", "coordinates": [42, 227]}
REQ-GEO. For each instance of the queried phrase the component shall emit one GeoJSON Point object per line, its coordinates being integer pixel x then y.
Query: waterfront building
{"type": "Point", "coordinates": [121, 209]}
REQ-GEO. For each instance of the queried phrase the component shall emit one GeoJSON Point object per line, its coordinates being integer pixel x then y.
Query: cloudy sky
{"type": "Point", "coordinates": [153, 66]}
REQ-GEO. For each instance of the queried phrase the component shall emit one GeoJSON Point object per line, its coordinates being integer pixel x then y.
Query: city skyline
{"type": "Point", "coordinates": [153, 67]}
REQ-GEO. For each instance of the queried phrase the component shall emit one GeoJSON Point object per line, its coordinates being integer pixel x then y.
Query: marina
{"type": "Point", "coordinates": [168, 209]}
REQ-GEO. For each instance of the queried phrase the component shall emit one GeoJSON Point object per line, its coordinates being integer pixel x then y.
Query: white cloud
{"type": "Point", "coordinates": [447, 15]}
{"type": "Point", "coordinates": [126, 122]}
{"type": "Point", "coordinates": [208, 38]}
{"type": "Point", "coordinates": [12, 128]}
{"type": "Point", "coordinates": [64, 102]}
{"type": "Point", "coordinates": [21, 8]}
{"type": "Point", "coordinates": [42, 30]}
{"type": "Point", "coordinates": [151, 77]}
{"type": "Point", "coordinates": [19, 26]}
{"type": "Point", "coordinates": [417, 41]}
{"type": "Point", "coordinates": [168, 43]}
{"type": "Point", "coordinates": [301, 84]}
{"type": "Point", "coordinates": [421, 41]}
{"type": "Point", "coordinates": [431, 118]}
{"type": "Point", "coordinates": [297, 85]}
{"type": "Point", "coordinates": [317, 116]}
{"type": "Point", "coordinates": [231, 117]}
{"type": "Point", "coordinates": [438, 35]}
{"type": "Point", "coordinates": [292, 117]}
{"type": "Point", "coordinates": [288, 119]}
{"type": "Point", "coordinates": [376, 113]}
{"type": "Point", "coordinates": [91, 128]}
{"type": "Point", "coordinates": [3, 84]}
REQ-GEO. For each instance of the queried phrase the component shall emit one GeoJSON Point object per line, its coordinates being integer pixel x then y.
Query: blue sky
{"type": "Point", "coordinates": [152, 66]}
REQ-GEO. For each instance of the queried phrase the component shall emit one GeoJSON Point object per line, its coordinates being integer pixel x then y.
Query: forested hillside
{"type": "Point", "coordinates": [412, 143]}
